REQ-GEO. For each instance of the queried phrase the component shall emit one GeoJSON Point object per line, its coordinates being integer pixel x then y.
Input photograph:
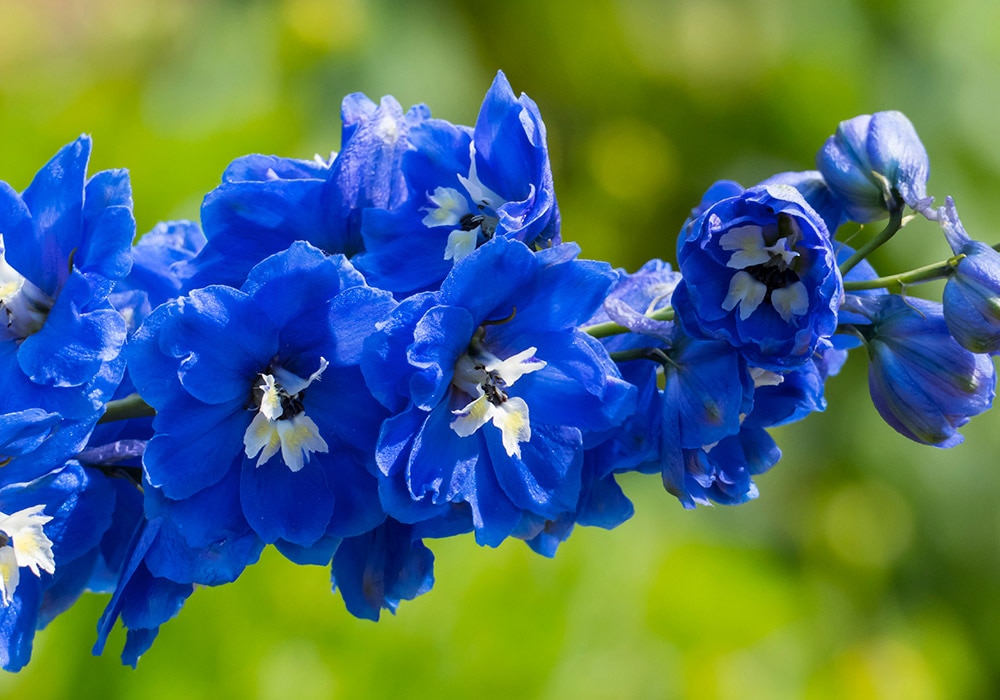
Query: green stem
{"type": "Point", "coordinates": [131, 406]}
{"type": "Point", "coordinates": [603, 330]}
{"type": "Point", "coordinates": [639, 354]}
{"type": "Point", "coordinates": [898, 282]}
{"type": "Point", "coordinates": [895, 221]}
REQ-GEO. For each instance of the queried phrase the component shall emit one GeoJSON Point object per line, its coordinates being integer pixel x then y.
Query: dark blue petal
{"type": "Point", "coordinates": [203, 539]}
{"type": "Point", "coordinates": [282, 504]}
{"type": "Point", "coordinates": [380, 568]}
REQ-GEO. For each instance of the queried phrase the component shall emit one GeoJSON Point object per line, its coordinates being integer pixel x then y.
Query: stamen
{"type": "Point", "coordinates": [281, 422]}
{"type": "Point", "coordinates": [487, 378]}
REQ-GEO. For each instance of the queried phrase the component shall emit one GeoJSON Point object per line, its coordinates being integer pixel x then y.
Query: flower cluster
{"type": "Point", "coordinates": [350, 356]}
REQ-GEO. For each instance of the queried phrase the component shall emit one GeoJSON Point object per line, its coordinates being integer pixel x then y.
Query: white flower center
{"type": "Point", "coordinates": [486, 377]}
{"type": "Point", "coordinates": [474, 213]}
{"type": "Point", "coordinates": [23, 306]}
{"type": "Point", "coordinates": [281, 422]}
{"type": "Point", "coordinates": [765, 272]}
{"type": "Point", "coordinates": [23, 544]}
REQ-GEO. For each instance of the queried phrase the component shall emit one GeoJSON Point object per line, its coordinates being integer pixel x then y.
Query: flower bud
{"type": "Point", "coordinates": [972, 294]}
{"type": "Point", "coordinates": [923, 383]}
{"type": "Point", "coordinates": [876, 164]}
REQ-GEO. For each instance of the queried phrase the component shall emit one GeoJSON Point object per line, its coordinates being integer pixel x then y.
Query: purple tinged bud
{"type": "Point", "coordinates": [972, 294]}
{"type": "Point", "coordinates": [922, 382]}
{"type": "Point", "coordinates": [876, 163]}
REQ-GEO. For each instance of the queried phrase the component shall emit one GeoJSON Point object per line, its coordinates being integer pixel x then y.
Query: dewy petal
{"type": "Point", "coordinates": [270, 402]}
{"type": "Point", "coordinates": [790, 301]}
{"type": "Point", "coordinates": [516, 366]}
{"type": "Point", "coordinates": [747, 245]}
{"type": "Point", "coordinates": [299, 439]}
{"type": "Point", "coordinates": [261, 436]}
{"type": "Point", "coordinates": [745, 291]}
{"type": "Point", "coordinates": [515, 427]}
{"type": "Point", "coordinates": [450, 206]}
{"type": "Point", "coordinates": [461, 243]}
{"type": "Point", "coordinates": [472, 417]}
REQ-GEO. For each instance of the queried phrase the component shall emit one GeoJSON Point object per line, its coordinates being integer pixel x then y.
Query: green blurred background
{"type": "Point", "coordinates": [868, 568]}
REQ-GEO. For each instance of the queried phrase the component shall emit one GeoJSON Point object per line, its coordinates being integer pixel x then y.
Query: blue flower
{"type": "Point", "coordinates": [265, 203]}
{"type": "Point", "coordinates": [876, 164]}
{"type": "Point", "coordinates": [922, 382]}
{"type": "Point", "coordinates": [263, 427]}
{"type": "Point", "coordinates": [65, 242]}
{"type": "Point", "coordinates": [759, 272]}
{"type": "Point", "coordinates": [466, 186]}
{"type": "Point", "coordinates": [56, 534]}
{"type": "Point", "coordinates": [494, 389]}
{"type": "Point", "coordinates": [971, 296]}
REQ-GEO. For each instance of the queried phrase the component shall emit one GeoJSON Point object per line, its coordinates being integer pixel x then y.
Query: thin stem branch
{"type": "Point", "coordinates": [927, 273]}
{"type": "Point", "coordinates": [895, 222]}
{"type": "Point", "coordinates": [603, 330]}
{"type": "Point", "coordinates": [131, 406]}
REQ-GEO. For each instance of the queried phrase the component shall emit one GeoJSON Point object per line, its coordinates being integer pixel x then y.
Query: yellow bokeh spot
{"type": "Point", "coordinates": [329, 25]}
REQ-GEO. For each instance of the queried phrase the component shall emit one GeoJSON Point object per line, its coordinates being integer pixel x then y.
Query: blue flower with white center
{"type": "Point", "coordinates": [759, 272]}
{"type": "Point", "coordinates": [466, 186]}
{"type": "Point", "coordinates": [56, 534]}
{"type": "Point", "coordinates": [493, 389]}
{"type": "Point", "coordinates": [64, 243]}
{"type": "Point", "coordinates": [875, 164]}
{"type": "Point", "coordinates": [263, 427]}
{"type": "Point", "coordinates": [265, 203]}
{"type": "Point", "coordinates": [971, 298]}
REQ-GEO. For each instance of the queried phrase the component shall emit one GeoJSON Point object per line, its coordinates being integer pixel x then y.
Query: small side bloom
{"type": "Point", "coordinates": [759, 272]}
{"type": "Point", "coordinates": [466, 186]}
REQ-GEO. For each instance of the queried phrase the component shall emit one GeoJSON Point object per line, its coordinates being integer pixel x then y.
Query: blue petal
{"type": "Point", "coordinates": [380, 568]}
{"type": "Point", "coordinates": [196, 447]}
{"type": "Point", "coordinates": [223, 343]}
{"type": "Point", "coordinates": [55, 199]}
{"type": "Point", "coordinates": [246, 222]}
{"type": "Point", "coordinates": [74, 342]}
{"type": "Point", "coordinates": [282, 504]}
{"type": "Point", "coordinates": [108, 226]}
{"type": "Point", "coordinates": [440, 337]}
{"type": "Point", "coordinates": [17, 624]}
{"type": "Point", "coordinates": [203, 539]}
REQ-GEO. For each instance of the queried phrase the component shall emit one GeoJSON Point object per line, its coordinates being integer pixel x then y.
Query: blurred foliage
{"type": "Point", "coordinates": [868, 568]}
